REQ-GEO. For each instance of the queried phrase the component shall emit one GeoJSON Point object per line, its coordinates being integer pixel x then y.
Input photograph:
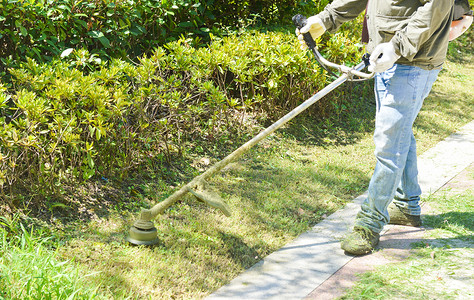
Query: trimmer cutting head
{"type": "Point", "coordinates": [143, 236]}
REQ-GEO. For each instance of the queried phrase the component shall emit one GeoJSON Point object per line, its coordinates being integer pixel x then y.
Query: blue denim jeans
{"type": "Point", "coordinates": [399, 94]}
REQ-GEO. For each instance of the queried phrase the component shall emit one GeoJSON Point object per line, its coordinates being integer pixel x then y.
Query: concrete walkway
{"type": "Point", "coordinates": [301, 269]}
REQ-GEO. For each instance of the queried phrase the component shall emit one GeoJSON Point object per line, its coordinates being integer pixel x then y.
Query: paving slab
{"type": "Point", "coordinates": [303, 265]}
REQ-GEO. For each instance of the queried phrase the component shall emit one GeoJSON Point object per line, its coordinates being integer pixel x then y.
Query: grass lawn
{"type": "Point", "coordinates": [281, 188]}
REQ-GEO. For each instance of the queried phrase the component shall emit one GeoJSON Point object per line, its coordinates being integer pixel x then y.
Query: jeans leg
{"type": "Point", "coordinates": [407, 195]}
{"type": "Point", "coordinates": [400, 92]}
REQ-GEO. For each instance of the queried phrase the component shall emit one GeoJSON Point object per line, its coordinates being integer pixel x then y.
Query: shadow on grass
{"type": "Point", "coordinates": [285, 199]}
{"type": "Point", "coordinates": [241, 253]}
{"type": "Point", "coordinates": [455, 222]}
{"type": "Point", "coordinates": [350, 114]}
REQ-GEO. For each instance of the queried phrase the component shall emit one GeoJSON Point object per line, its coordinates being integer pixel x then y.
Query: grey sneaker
{"type": "Point", "coordinates": [398, 217]}
{"type": "Point", "coordinates": [361, 241]}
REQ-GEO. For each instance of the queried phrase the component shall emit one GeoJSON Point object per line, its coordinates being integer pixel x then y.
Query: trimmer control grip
{"type": "Point", "coordinates": [300, 21]}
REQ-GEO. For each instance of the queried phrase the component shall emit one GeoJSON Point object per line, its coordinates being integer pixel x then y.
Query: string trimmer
{"type": "Point", "coordinates": [143, 231]}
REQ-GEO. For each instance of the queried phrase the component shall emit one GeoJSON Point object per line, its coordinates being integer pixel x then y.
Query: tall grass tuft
{"type": "Point", "coordinates": [30, 270]}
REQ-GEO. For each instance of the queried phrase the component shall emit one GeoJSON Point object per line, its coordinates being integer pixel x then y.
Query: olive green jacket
{"type": "Point", "coordinates": [417, 28]}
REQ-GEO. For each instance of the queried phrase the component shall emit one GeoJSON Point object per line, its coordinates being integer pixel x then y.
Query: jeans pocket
{"type": "Point", "coordinates": [413, 77]}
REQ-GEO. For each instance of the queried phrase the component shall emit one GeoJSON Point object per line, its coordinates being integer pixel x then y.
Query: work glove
{"type": "Point", "coordinates": [314, 26]}
{"type": "Point", "coordinates": [382, 58]}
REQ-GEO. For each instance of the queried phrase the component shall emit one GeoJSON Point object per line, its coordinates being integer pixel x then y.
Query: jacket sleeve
{"type": "Point", "coordinates": [340, 11]}
{"type": "Point", "coordinates": [429, 17]}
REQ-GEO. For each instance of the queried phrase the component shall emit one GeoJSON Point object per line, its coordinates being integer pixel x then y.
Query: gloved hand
{"type": "Point", "coordinates": [314, 26]}
{"type": "Point", "coordinates": [387, 58]}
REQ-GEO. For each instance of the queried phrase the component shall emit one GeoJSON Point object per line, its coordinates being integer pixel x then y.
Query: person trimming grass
{"type": "Point", "coordinates": [408, 44]}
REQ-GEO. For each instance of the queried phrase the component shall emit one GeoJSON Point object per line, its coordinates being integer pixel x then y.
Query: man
{"type": "Point", "coordinates": [408, 41]}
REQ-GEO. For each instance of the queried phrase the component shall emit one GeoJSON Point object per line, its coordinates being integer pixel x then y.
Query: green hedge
{"type": "Point", "coordinates": [61, 124]}
{"type": "Point", "coordinates": [44, 29]}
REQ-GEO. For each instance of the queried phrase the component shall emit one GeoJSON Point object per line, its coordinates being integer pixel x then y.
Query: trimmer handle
{"type": "Point", "coordinates": [300, 21]}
